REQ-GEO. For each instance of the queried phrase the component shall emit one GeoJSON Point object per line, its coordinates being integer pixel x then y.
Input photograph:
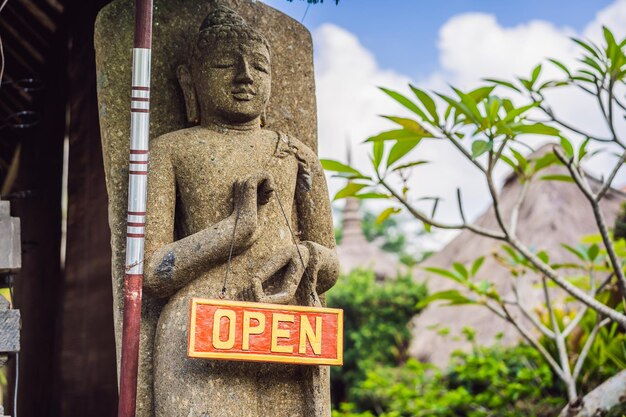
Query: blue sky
{"type": "Point", "coordinates": [402, 34]}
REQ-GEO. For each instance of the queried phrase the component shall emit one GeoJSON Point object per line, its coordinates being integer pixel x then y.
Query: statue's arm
{"type": "Point", "coordinates": [170, 265]}
{"type": "Point", "coordinates": [315, 220]}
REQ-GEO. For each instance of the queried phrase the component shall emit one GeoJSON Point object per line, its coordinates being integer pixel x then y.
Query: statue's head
{"type": "Point", "coordinates": [228, 77]}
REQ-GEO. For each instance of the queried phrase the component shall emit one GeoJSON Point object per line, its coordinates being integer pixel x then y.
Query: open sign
{"type": "Point", "coordinates": [234, 330]}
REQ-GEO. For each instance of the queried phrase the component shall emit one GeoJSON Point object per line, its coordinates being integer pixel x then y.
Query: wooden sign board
{"type": "Point", "coordinates": [243, 331]}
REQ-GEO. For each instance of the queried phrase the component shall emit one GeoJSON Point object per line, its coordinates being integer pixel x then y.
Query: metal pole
{"type": "Point", "coordinates": [137, 189]}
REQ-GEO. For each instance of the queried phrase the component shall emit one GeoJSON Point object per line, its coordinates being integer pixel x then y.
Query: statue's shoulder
{"type": "Point", "coordinates": [171, 141]}
{"type": "Point", "coordinates": [292, 145]}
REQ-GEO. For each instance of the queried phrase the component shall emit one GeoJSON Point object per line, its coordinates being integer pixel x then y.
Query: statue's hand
{"type": "Point", "coordinates": [249, 195]}
{"type": "Point", "coordinates": [296, 261]}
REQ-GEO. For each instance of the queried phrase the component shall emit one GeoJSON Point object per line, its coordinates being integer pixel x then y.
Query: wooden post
{"type": "Point", "coordinates": [137, 188]}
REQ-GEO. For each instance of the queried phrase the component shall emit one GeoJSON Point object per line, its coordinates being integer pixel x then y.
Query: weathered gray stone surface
{"type": "Point", "coordinates": [10, 242]}
{"type": "Point", "coordinates": [206, 175]}
{"type": "Point", "coordinates": [9, 331]}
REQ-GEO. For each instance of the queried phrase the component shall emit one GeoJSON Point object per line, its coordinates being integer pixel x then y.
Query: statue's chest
{"type": "Point", "coordinates": [205, 174]}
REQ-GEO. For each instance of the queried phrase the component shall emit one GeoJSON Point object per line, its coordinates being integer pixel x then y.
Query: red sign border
{"type": "Point", "coordinates": [262, 357]}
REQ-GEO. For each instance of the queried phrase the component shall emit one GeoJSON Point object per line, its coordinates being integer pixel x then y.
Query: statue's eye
{"type": "Point", "coordinates": [223, 64]}
{"type": "Point", "coordinates": [261, 67]}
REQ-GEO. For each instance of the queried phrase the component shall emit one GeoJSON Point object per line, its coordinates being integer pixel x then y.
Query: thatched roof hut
{"type": "Point", "coordinates": [553, 213]}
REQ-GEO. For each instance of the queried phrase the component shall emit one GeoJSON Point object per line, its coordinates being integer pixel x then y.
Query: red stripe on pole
{"type": "Point", "coordinates": [140, 110]}
{"type": "Point", "coordinates": [139, 162]}
{"type": "Point", "coordinates": [131, 224]}
{"type": "Point", "coordinates": [136, 87]}
{"type": "Point", "coordinates": [135, 235]}
{"type": "Point", "coordinates": [137, 213]}
{"type": "Point", "coordinates": [130, 348]}
{"type": "Point", "coordinates": [140, 99]}
{"type": "Point", "coordinates": [138, 172]}
{"type": "Point", "coordinates": [143, 24]}
{"type": "Point", "coordinates": [138, 152]}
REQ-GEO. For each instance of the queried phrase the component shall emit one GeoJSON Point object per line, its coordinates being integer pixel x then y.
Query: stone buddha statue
{"type": "Point", "coordinates": [239, 212]}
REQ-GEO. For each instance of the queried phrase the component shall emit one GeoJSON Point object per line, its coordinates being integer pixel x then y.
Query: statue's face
{"type": "Point", "coordinates": [233, 82]}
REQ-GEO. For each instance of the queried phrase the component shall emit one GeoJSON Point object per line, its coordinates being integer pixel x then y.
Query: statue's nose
{"type": "Point", "coordinates": [243, 74]}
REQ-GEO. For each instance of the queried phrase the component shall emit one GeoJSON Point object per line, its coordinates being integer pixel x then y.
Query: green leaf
{"type": "Point", "coordinates": [453, 296]}
{"type": "Point", "coordinates": [593, 252]}
{"type": "Point", "coordinates": [459, 108]}
{"type": "Point", "coordinates": [445, 273]}
{"type": "Point", "coordinates": [587, 47]}
{"type": "Point", "coordinates": [371, 196]}
{"type": "Point", "coordinates": [427, 101]}
{"type": "Point", "coordinates": [477, 264]}
{"type": "Point", "coordinates": [461, 270]}
{"type": "Point", "coordinates": [379, 149]}
{"type": "Point", "coordinates": [470, 104]}
{"type": "Point", "coordinates": [385, 214]}
{"type": "Point", "coordinates": [336, 166]}
{"type": "Point", "coordinates": [503, 83]}
{"type": "Point", "coordinates": [349, 176]}
{"type": "Point", "coordinates": [561, 66]}
{"type": "Point", "coordinates": [494, 107]}
{"type": "Point", "coordinates": [405, 102]}
{"type": "Point", "coordinates": [562, 178]}
{"type": "Point", "coordinates": [513, 113]}
{"type": "Point", "coordinates": [567, 147]}
{"type": "Point", "coordinates": [510, 163]}
{"type": "Point", "coordinates": [545, 161]}
{"type": "Point", "coordinates": [481, 93]}
{"type": "Point", "coordinates": [479, 147]}
{"type": "Point", "coordinates": [349, 190]}
{"type": "Point", "coordinates": [579, 254]}
{"type": "Point", "coordinates": [396, 134]}
{"type": "Point", "coordinates": [410, 125]}
{"type": "Point", "coordinates": [535, 74]}
{"type": "Point", "coordinates": [582, 149]}
{"type": "Point", "coordinates": [536, 129]}
{"type": "Point", "coordinates": [409, 165]}
{"type": "Point", "coordinates": [543, 255]}
{"type": "Point", "coordinates": [522, 162]}
{"type": "Point", "coordinates": [400, 149]}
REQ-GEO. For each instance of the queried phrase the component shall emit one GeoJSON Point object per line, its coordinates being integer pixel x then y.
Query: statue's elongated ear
{"type": "Point", "coordinates": [189, 92]}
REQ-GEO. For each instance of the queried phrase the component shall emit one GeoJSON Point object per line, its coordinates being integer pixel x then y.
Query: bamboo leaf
{"type": "Point", "coordinates": [349, 190]}
{"type": "Point", "coordinates": [480, 147]}
{"type": "Point", "coordinates": [453, 296]}
{"type": "Point", "coordinates": [561, 66]}
{"type": "Point", "coordinates": [562, 178]}
{"type": "Point", "coordinates": [405, 102]}
{"type": "Point", "coordinates": [385, 214]}
{"type": "Point", "coordinates": [428, 103]}
{"type": "Point", "coordinates": [445, 273]}
{"type": "Point", "coordinates": [536, 129]}
{"type": "Point", "coordinates": [336, 166]}
{"type": "Point", "coordinates": [409, 165]}
{"type": "Point", "coordinates": [399, 150]}
{"type": "Point", "coordinates": [477, 264]}
{"type": "Point", "coordinates": [396, 134]}
{"type": "Point", "coordinates": [503, 83]}
{"type": "Point", "coordinates": [410, 125]}
{"type": "Point", "coordinates": [378, 149]}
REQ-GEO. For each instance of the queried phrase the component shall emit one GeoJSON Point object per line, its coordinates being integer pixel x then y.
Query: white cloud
{"type": "Point", "coordinates": [471, 46]}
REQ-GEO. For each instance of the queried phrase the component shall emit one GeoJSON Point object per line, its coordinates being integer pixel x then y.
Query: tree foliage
{"type": "Point", "coordinates": [493, 126]}
{"type": "Point", "coordinates": [376, 332]}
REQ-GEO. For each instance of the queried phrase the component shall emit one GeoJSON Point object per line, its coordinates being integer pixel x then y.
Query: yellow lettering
{"type": "Point", "coordinates": [217, 325]}
{"type": "Point", "coordinates": [281, 333]}
{"type": "Point", "coordinates": [306, 332]}
{"type": "Point", "coordinates": [248, 330]}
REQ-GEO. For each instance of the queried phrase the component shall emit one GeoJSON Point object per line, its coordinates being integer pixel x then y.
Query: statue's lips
{"type": "Point", "coordinates": [243, 95]}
